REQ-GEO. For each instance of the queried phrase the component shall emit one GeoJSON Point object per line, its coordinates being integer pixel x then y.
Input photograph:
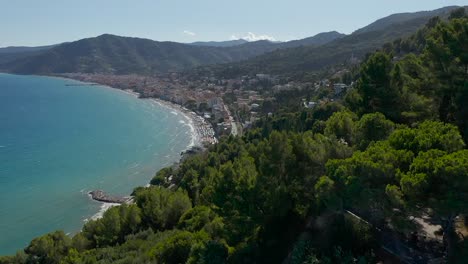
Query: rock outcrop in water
{"type": "Point", "coordinates": [101, 196]}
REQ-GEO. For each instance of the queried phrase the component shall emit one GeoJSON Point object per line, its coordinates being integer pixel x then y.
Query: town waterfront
{"type": "Point", "coordinates": [60, 141]}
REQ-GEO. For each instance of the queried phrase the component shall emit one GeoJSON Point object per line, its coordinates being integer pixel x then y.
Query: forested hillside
{"type": "Point", "coordinates": [335, 184]}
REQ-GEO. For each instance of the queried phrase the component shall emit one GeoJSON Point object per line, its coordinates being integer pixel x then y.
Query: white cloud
{"type": "Point", "coordinates": [290, 39]}
{"type": "Point", "coordinates": [189, 33]}
{"type": "Point", "coordinates": [253, 37]}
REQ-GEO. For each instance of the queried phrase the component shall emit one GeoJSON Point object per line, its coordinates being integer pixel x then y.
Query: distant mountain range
{"type": "Point", "coordinates": [319, 39]}
{"type": "Point", "coordinates": [123, 55]}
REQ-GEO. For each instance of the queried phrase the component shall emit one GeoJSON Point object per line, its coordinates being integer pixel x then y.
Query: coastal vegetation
{"type": "Point", "coordinates": [338, 183]}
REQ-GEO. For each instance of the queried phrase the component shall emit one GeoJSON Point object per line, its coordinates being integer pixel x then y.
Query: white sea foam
{"type": "Point", "coordinates": [104, 208]}
{"type": "Point", "coordinates": [194, 133]}
{"type": "Point", "coordinates": [130, 92]}
{"type": "Point", "coordinates": [194, 137]}
{"type": "Point", "coordinates": [157, 102]}
{"type": "Point", "coordinates": [174, 112]}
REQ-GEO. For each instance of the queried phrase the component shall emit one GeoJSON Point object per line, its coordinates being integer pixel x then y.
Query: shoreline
{"type": "Point", "coordinates": [203, 129]}
{"type": "Point", "coordinates": [202, 133]}
{"type": "Point", "coordinates": [198, 124]}
{"type": "Point", "coordinates": [195, 142]}
{"type": "Point", "coordinates": [199, 129]}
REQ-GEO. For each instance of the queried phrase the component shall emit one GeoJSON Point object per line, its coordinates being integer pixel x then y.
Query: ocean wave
{"type": "Point", "coordinates": [174, 112]}
{"type": "Point", "coordinates": [135, 165]}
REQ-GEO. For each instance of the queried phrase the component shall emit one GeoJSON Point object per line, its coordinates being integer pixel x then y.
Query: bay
{"type": "Point", "coordinates": [60, 140]}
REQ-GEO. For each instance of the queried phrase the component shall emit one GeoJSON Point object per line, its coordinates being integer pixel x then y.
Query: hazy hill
{"type": "Point", "coordinates": [8, 54]}
{"type": "Point", "coordinates": [122, 55]}
{"type": "Point", "coordinates": [24, 49]}
{"type": "Point", "coordinates": [119, 55]}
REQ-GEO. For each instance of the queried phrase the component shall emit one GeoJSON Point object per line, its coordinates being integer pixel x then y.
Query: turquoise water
{"type": "Point", "coordinates": [58, 142]}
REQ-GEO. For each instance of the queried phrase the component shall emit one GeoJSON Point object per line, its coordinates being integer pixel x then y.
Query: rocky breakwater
{"type": "Point", "coordinates": [101, 196]}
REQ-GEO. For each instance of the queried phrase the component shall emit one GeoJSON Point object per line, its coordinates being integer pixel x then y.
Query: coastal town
{"type": "Point", "coordinates": [217, 107]}
{"type": "Point", "coordinates": [240, 132]}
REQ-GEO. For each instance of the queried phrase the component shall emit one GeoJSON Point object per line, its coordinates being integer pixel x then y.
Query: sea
{"type": "Point", "coordinates": [60, 139]}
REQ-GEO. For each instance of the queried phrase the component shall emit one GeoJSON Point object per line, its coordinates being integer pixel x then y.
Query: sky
{"type": "Point", "coordinates": [45, 22]}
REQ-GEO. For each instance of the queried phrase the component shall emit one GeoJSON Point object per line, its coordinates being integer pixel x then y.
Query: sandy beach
{"type": "Point", "coordinates": [202, 131]}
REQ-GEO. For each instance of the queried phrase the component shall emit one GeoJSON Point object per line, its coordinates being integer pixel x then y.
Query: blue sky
{"type": "Point", "coordinates": [42, 22]}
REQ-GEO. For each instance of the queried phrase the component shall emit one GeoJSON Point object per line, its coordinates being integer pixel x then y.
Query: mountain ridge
{"type": "Point", "coordinates": [113, 54]}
